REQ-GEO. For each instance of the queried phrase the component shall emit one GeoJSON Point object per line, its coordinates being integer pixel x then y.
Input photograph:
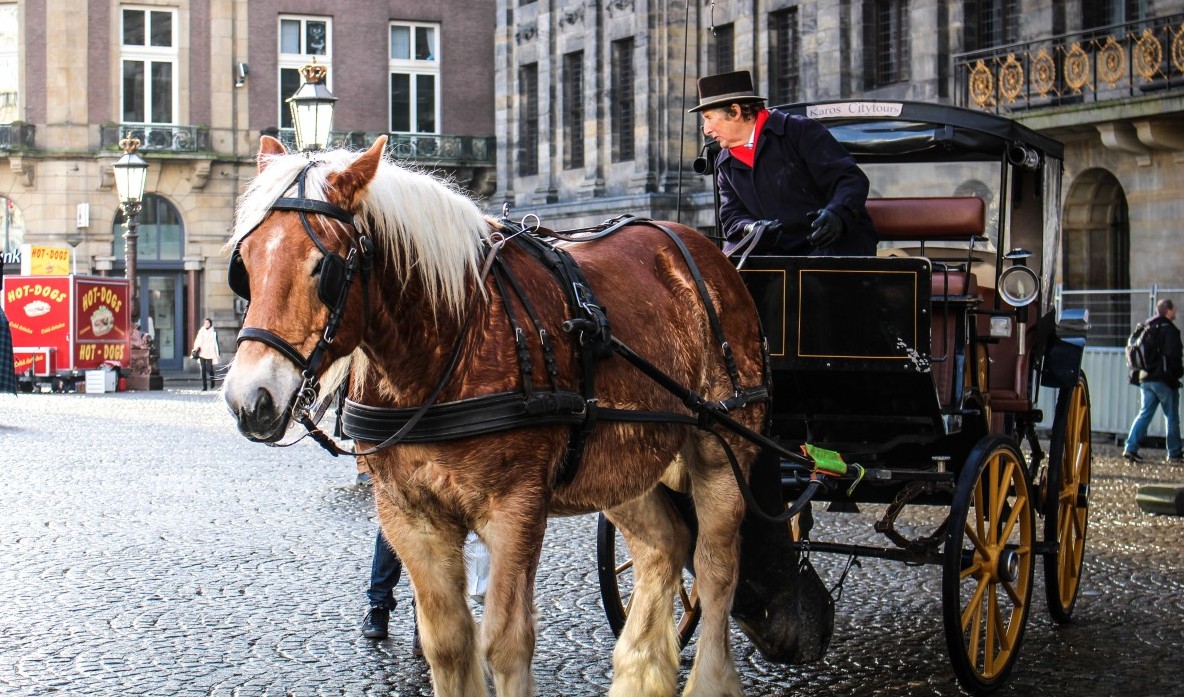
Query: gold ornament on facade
{"type": "Point", "coordinates": [1044, 73]}
{"type": "Point", "coordinates": [982, 86]}
{"type": "Point", "coordinates": [1076, 68]}
{"type": "Point", "coordinates": [1148, 55]}
{"type": "Point", "coordinates": [1111, 62]}
{"type": "Point", "coordinates": [1178, 49]}
{"type": "Point", "coordinates": [1011, 78]}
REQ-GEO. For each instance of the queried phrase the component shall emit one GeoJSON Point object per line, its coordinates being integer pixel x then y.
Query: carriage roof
{"type": "Point", "coordinates": [903, 131]}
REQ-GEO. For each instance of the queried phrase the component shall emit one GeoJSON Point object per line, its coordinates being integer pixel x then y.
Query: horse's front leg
{"type": "Point", "coordinates": [645, 659]}
{"type": "Point", "coordinates": [514, 534]}
{"type": "Point", "coordinates": [434, 559]}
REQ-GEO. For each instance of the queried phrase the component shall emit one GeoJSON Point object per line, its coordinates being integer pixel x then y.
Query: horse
{"type": "Point", "coordinates": [393, 283]}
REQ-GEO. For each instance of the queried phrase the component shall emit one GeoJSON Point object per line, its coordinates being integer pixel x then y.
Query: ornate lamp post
{"type": "Point", "coordinates": [312, 109]}
{"type": "Point", "coordinates": [131, 173]}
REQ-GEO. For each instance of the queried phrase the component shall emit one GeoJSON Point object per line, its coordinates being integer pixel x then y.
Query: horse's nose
{"type": "Point", "coordinates": [258, 418]}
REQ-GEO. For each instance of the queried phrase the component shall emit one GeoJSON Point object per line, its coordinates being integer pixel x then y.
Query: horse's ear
{"type": "Point", "coordinates": [350, 182]}
{"type": "Point", "coordinates": [269, 147]}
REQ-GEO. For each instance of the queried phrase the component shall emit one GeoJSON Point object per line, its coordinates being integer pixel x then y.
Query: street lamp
{"type": "Point", "coordinates": [131, 172]}
{"type": "Point", "coordinates": [312, 109]}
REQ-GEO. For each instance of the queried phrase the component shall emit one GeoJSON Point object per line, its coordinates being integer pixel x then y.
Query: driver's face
{"type": "Point", "coordinates": [730, 130]}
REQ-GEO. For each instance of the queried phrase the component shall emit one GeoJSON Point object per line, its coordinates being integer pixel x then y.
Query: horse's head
{"type": "Point", "coordinates": [303, 264]}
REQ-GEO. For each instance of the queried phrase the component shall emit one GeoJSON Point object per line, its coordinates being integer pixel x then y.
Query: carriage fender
{"type": "Point", "coordinates": [1062, 362]}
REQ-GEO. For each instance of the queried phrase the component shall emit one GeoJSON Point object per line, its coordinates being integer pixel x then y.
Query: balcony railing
{"type": "Point", "coordinates": [157, 137]}
{"type": "Point", "coordinates": [1095, 65]}
{"type": "Point", "coordinates": [16, 136]}
{"type": "Point", "coordinates": [422, 148]}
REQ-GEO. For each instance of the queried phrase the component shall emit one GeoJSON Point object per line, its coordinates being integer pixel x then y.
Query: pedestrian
{"type": "Point", "coordinates": [385, 570]}
{"type": "Point", "coordinates": [205, 350]}
{"type": "Point", "coordinates": [786, 186]}
{"type": "Point", "coordinates": [1160, 386]}
{"type": "Point", "coordinates": [8, 378]}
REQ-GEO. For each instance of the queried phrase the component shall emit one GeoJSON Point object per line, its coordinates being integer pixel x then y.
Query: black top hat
{"type": "Point", "coordinates": [726, 88]}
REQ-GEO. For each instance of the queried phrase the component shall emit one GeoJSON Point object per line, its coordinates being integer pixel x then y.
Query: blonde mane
{"type": "Point", "coordinates": [420, 223]}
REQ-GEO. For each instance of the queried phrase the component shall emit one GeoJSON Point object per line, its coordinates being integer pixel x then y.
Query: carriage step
{"type": "Point", "coordinates": [1164, 499]}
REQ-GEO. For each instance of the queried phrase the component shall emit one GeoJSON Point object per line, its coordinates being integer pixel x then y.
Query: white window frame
{"type": "Point", "coordinates": [414, 68]}
{"type": "Point", "coordinates": [296, 61]}
{"type": "Point", "coordinates": [148, 55]}
{"type": "Point", "coordinates": [10, 64]}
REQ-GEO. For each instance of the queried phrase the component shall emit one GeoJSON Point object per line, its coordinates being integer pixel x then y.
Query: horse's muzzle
{"type": "Point", "coordinates": [258, 416]}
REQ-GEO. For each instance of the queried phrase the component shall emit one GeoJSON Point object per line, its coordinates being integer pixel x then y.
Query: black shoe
{"type": "Point", "coordinates": [1131, 457]}
{"type": "Point", "coordinates": [375, 624]}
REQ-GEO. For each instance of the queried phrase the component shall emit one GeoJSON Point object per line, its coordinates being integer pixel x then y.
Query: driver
{"type": "Point", "coordinates": [786, 185]}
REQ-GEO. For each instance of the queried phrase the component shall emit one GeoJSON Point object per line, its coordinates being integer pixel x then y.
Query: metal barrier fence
{"type": "Point", "coordinates": [1112, 314]}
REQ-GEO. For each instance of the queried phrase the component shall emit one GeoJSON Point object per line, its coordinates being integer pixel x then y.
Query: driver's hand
{"type": "Point", "coordinates": [825, 228]}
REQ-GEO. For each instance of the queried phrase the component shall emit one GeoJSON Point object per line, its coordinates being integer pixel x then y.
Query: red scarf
{"type": "Point", "coordinates": [744, 153]}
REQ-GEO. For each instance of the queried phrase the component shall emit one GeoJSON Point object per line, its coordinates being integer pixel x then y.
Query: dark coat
{"type": "Point", "coordinates": [1169, 367]}
{"type": "Point", "coordinates": [799, 168]}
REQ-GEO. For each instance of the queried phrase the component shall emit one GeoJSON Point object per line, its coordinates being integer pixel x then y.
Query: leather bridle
{"type": "Point", "coordinates": [336, 276]}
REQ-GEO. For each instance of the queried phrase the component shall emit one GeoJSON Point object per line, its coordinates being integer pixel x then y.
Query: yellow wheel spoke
{"type": "Point", "coordinates": [974, 605]}
{"type": "Point", "coordinates": [1020, 507]}
{"type": "Point", "coordinates": [624, 566]}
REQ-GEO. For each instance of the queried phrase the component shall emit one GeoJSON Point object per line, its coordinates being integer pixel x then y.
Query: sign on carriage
{"type": "Point", "coordinates": [845, 110]}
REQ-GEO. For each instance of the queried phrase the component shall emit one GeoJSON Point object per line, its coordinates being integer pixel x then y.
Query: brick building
{"type": "Point", "coordinates": [197, 81]}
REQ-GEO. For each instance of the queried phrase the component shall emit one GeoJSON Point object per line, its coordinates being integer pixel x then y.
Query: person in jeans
{"type": "Point", "coordinates": [1160, 387]}
{"type": "Point", "coordinates": [385, 570]}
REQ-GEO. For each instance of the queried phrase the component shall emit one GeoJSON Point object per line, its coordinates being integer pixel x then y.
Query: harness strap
{"type": "Point", "coordinates": [521, 348]}
{"type": "Point", "coordinates": [544, 337]}
{"type": "Point", "coordinates": [466, 417]}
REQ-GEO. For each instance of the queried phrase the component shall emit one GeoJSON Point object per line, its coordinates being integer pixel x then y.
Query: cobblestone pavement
{"type": "Point", "coordinates": [148, 549]}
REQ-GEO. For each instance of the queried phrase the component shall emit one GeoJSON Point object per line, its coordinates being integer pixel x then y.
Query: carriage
{"type": "Point", "coordinates": [496, 372]}
{"type": "Point", "coordinates": [922, 366]}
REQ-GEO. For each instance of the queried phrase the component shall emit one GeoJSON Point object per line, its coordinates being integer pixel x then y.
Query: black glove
{"type": "Point", "coordinates": [825, 228]}
{"type": "Point", "coordinates": [768, 232]}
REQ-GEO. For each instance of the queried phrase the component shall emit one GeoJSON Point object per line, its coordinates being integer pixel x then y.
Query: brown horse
{"type": "Point", "coordinates": [425, 305]}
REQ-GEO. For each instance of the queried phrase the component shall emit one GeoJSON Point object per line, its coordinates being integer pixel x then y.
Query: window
{"type": "Point", "coordinates": [149, 65]}
{"type": "Point", "coordinates": [1103, 13]}
{"type": "Point", "coordinates": [886, 42]}
{"type": "Point", "coordinates": [528, 119]}
{"type": "Point", "coordinates": [9, 64]}
{"type": "Point", "coordinates": [996, 23]}
{"type": "Point", "coordinates": [159, 231]}
{"type": "Point", "coordinates": [783, 56]}
{"type": "Point", "coordinates": [573, 110]}
{"type": "Point", "coordinates": [723, 50]}
{"type": "Point", "coordinates": [415, 77]}
{"type": "Point", "coordinates": [621, 117]}
{"type": "Point", "coordinates": [302, 40]}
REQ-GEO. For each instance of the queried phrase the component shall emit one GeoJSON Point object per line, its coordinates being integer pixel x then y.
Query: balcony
{"type": "Point", "coordinates": [160, 138]}
{"type": "Point", "coordinates": [1103, 64]}
{"type": "Point", "coordinates": [433, 149]}
{"type": "Point", "coordinates": [16, 136]}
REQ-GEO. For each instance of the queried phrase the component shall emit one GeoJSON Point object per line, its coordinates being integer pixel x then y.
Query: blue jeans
{"type": "Point", "coordinates": [384, 574]}
{"type": "Point", "coordinates": [1157, 394]}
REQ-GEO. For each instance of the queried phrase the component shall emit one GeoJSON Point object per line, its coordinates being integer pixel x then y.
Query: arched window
{"type": "Point", "coordinates": [1096, 254]}
{"type": "Point", "coordinates": [160, 232]}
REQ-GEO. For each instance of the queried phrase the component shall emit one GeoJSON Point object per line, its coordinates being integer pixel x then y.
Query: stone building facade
{"type": "Point", "coordinates": [198, 81]}
{"type": "Point", "coordinates": [1105, 76]}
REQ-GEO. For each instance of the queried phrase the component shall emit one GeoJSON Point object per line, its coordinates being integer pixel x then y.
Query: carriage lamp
{"type": "Point", "coordinates": [312, 109]}
{"type": "Point", "coordinates": [131, 173]}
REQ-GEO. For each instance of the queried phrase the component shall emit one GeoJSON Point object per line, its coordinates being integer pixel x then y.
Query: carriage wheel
{"type": "Point", "coordinates": [987, 573]}
{"type": "Point", "coordinates": [615, 569]}
{"type": "Point", "coordinates": [1066, 511]}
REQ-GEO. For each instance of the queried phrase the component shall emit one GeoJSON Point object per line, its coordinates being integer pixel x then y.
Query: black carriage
{"type": "Point", "coordinates": [922, 367]}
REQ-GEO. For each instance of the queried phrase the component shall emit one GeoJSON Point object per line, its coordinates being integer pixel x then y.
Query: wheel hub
{"type": "Point", "coordinates": [1007, 568]}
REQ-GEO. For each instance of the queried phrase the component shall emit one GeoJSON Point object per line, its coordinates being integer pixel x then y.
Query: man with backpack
{"type": "Point", "coordinates": [1156, 357]}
